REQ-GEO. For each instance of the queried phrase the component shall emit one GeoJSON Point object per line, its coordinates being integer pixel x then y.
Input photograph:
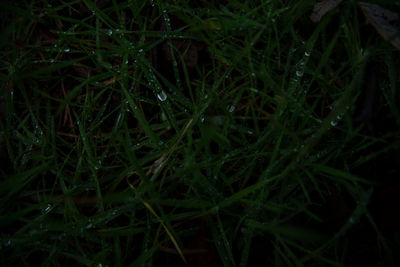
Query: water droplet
{"type": "Point", "coordinates": [334, 123]}
{"type": "Point", "coordinates": [109, 32]}
{"type": "Point", "coordinates": [299, 73]}
{"type": "Point", "coordinates": [340, 116]}
{"type": "Point", "coordinates": [307, 53]}
{"type": "Point", "coordinates": [126, 61]}
{"type": "Point", "coordinates": [231, 108]}
{"type": "Point", "coordinates": [202, 119]}
{"type": "Point", "coordinates": [47, 209]}
{"type": "Point", "coordinates": [162, 96]}
{"type": "Point", "coordinates": [140, 50]}
{"type": "Point", "coordinates": [98, 165]}
{"type": "Point", "coordinates": [253, 74]}
{"type": "Point", "coordinates": [66, 50]}
{"type": "Point", "coordinates": [61, 237]}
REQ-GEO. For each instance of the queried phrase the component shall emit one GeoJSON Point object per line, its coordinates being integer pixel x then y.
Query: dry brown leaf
{"type": "Point", "coordinates": [382, 19]}
{"type": "Point", "coordinates": [323, 7]}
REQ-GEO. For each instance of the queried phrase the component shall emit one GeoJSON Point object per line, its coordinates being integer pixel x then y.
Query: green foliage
{"type": "Point", "coordinates": [130, 128]}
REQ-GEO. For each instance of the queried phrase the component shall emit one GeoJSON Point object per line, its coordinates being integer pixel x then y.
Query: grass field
{"type": "Point", "coordinates": [216, 133]}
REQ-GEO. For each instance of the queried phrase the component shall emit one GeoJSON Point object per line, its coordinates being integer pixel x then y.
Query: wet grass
{"type": "Point", "coordinates": [149, 133]}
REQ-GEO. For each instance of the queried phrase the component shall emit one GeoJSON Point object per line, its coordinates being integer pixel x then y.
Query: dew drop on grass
{"type": "Point", "coordinates": [334, 123]}
{"type": "Point", "coordinates": [89, 225]}
{"type": "Point", "coordinates": [307, 53]}
{"type": "Point", "coordinates": [97, 165]}
{"type": "Point", "coordinates": [299, 73]}
{"type": "Point", "coordinates": [47, 209]}
{"type": "Point", "coordinates": [340, 116]}
{"type": "Point", "coordinates": [61, 237]}
{"type": "Point", "coordinates": [162, 96]}
{"type": "Point", "coordinates": [67, 49]}
{"type": "Point", "coordinates": [109, 32]}
{"type": "Point", "coordinates": [231, 108]}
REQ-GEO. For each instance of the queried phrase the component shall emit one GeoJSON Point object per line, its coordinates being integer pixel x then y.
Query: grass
{"type": "Point", "coordinates": [217, 133]}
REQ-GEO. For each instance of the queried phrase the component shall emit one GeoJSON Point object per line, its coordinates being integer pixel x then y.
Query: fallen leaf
{"type": "Point", "coordinates": [382, 19]}
{"type": "Point", "coordinates": [323, 7]}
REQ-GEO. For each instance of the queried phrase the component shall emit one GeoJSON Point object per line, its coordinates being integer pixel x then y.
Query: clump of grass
{"type": "Point", "coordinates": [160, 132]}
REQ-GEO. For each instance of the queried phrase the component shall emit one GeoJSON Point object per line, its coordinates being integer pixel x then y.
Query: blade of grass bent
{"type": "Point", "coordinates": [149, 207]}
